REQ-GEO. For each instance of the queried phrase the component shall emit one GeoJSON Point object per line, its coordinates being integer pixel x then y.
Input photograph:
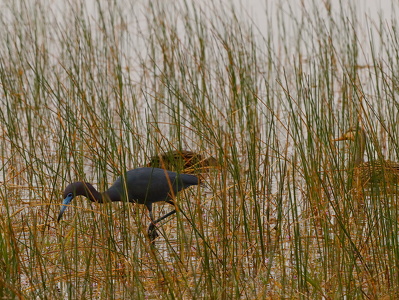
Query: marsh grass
{"type": "Point", "coordinates": [89, 90]}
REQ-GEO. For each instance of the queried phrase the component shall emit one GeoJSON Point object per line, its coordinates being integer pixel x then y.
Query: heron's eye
{"type": "Point", "coordinates": [69, 195]}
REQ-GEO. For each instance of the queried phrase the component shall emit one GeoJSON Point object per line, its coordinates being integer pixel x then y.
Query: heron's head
{"type": "Point", "coordinates": [73, 190]}
{"type": "Point", "coordinates": [352, 134]}
{"type": "Point", "coordinates": [359, 137]}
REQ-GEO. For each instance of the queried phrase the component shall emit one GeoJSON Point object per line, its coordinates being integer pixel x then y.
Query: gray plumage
{"type": "Point", "coordinates": [143, 186]}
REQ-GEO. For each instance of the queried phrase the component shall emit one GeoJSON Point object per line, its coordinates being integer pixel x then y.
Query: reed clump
{"type": "Point", "coordinates": [91, 89]}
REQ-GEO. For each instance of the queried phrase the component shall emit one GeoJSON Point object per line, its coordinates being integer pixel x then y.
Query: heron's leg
{"type": "Point", "coordinates": [151, 215]}
{"type": "Point", "coordinates": [149, 207]}
{"type": "Point", "coordinates": [151, 229]}
{"type": "Point", "coordinates": [164, 217]}
{"type": "Point", "coordinates": [170, 202]}
{"type": "Point", "coordinates": [152, 233]}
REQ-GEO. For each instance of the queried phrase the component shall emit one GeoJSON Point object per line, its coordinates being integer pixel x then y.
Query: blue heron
{"type": "Point", "coordinates": [142, 185]}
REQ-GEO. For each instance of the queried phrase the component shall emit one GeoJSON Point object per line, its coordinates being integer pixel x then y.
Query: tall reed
{"type": "Point", "coordinates": [91, 89]}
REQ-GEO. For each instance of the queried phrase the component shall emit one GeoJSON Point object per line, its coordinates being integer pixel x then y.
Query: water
{"type": "Point", "coordinates": [87, 93]}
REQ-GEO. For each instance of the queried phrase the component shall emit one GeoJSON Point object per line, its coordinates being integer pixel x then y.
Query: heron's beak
{"type": "Point", "coordinates": [65, 203]}
{"type": "Point", "coordinates": [342, 138]}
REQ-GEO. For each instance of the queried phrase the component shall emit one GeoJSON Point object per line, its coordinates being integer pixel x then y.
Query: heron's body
{"type": "Point", "coordinates": [370, 173]}
{"type": "Point", "coordinates": [149, 185]}
{"type": "Point", "coordinates": [143, 186]}
{"type": "Point", "coordinates": [377, 173]}
{"type": "Point", "coordinates": [185, 161]}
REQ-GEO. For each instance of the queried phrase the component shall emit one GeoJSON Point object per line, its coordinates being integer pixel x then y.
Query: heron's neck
{"type": "Point", "coordinates": [360, 148]}
{"type": "Point", "coordinates": [112, 194]}
{"type": "Point", "coordinates": [93, 194]}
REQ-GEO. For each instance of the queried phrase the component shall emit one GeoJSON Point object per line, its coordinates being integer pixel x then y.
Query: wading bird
{"type": "Point", "coordinates": [143, 186]}
{"type": "Point", "coordinates": [371, 173]}
{"type": "Point", "coordinates": [182, 161]}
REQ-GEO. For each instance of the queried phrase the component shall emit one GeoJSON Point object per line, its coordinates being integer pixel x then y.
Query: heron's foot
{"type": "Point", "coordinates": [152, 232]}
